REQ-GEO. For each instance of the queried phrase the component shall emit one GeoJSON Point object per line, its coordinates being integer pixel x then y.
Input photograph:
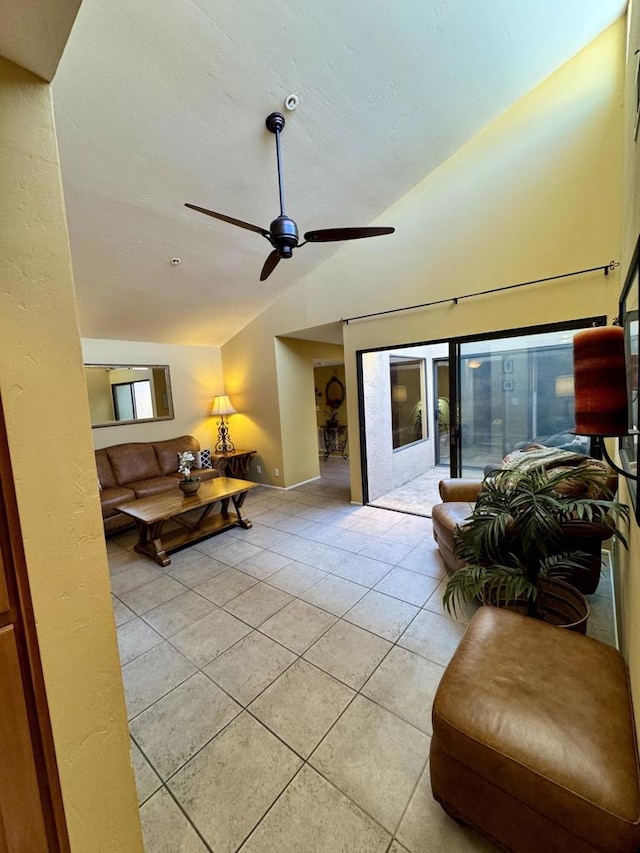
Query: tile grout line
{"type": "Point", "coordinates": [298, 656]}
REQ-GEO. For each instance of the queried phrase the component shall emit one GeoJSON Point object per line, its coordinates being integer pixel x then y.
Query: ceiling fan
{"type": "Point", "coordinates": [283, 231]}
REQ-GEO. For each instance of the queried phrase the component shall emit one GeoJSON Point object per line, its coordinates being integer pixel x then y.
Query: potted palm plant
{"type": "Point", "coordinates": [520, 546]}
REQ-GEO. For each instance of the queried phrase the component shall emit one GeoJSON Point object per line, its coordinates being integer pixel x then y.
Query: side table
{"type": "Point", "coordinates": [233, 464]}
{"type": "Point", "coordinates": [335, 441]}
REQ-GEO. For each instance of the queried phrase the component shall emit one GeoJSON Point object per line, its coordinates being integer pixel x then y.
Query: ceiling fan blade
{"type": "Point", "coordinates": [329, 235]}
{"type": "Point", "coordinates": [269, 265]}
{"type": "Point", "coordinates": [230, 220]}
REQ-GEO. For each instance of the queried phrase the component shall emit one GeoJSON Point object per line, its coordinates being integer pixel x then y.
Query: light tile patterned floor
{"type": "Point", "coordinates": [279, 680]}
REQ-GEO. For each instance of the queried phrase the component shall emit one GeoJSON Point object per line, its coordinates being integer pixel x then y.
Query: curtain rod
{"type": "Point", "coordinates": [455, 299]}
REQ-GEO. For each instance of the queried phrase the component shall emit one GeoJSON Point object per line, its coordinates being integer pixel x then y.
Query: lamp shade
{"type": "Point", "coordinates": [222, 406]}
{"type": "Point", "coordinates": [564, 386]}
{"type": "Point", "coordinates": [601, 402]}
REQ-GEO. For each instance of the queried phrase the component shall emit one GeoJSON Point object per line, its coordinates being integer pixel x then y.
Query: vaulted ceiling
{"type": "Point", "coordinates": [162, 103]}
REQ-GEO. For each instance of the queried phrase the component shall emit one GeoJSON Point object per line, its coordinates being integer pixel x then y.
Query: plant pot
{"type": "Point", "coordinates": [559, 604]}
{"type": "Point", "coordinates": [189, 487]}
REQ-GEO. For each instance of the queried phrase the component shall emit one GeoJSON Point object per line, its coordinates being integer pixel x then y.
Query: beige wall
{"type": "Point", "coordinates": [536, 194]}
{"type": "Point", "coordinates": [196, 377]}
{"type": "Point", "coordinates": [45, 401]}
{"type": "Point", "coordinates": [628, 560]}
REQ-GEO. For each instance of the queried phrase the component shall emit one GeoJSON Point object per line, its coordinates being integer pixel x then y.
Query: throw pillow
{"type": "Point", "coordinates": [205, 459]}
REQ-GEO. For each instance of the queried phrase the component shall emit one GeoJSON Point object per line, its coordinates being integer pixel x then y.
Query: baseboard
{"type": "Point", "coordinates": [294, 486]}
{"type": "Point", "coordinates": [616, 604]}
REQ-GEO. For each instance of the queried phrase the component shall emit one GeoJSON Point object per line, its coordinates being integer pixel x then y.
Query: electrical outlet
{"type": "Point", "coordinates": [258, 469]}
{"type": "Point", "coordinates": [276, 471]}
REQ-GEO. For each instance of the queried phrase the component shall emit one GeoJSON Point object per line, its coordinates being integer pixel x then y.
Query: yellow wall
{"type": "Point", "coordinates": [196, 377]}
{"type": "Point", "coordinates": [270, 381]}
{"type": "Point", "coordinates": [537, 193]}
{"type": "Point", "coordinates": [628, 560]}
{"type": "Point", "coordinates": [45, 402]}
{"type": "Point", "coordinates": [297, 402]}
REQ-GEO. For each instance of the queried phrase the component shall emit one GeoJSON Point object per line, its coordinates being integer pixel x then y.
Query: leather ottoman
{"type": "Point", "coordinates": [534, 741]}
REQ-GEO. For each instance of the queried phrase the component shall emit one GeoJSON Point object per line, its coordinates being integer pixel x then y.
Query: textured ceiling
{"type": "Point", "coordinates": [159, 103]}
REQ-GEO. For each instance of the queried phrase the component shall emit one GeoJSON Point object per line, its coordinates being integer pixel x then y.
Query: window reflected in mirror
{"type": "Point", "coordinates": [125, 394]}
{"type": "Point", "coordinates": [407, 401]}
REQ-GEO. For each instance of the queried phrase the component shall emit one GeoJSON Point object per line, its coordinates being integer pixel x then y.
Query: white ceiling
{"type": "Point", "coordinates": [159, 102]}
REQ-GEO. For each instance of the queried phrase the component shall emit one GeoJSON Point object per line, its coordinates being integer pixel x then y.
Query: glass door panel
{"type": "Point", "coordinates": [514, 391]}
{"type": "Point", "coordinates": [442, 414]}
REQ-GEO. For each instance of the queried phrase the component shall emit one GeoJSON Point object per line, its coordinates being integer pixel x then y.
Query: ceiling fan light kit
{"type": "Point", "coordinates": [283, 231]}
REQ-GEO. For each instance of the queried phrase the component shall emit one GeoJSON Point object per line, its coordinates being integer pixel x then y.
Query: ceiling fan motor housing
{"type": "Point", "coordinates": [284, 235]}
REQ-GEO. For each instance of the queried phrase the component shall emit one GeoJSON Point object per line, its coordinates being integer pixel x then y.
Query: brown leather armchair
{"type": "Point", "coordinates": [458, 501]}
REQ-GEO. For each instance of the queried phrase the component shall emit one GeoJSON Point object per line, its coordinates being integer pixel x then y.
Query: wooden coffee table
{"type": "Point", "coordinates": [151, 515]}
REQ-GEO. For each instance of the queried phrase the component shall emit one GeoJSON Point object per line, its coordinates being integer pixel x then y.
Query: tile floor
{"type": "Point", "coordinates": [279, 680]}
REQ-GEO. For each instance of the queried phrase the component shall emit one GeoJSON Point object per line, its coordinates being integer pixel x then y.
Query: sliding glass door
{"type": "Point", "coordinates": [456, 407]}
{"type": "Point", "coordinates": [512, 391]}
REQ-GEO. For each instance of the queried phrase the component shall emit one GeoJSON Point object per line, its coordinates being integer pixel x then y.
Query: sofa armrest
{"type": "Point", "coordinates": [459, 490]}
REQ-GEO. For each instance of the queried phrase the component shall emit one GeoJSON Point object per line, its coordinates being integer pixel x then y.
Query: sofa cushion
{"type": "Point", "coordinates": [106, 477]}
{"type": "Point", "coordinates": [206, 473]}
{"type": "Point", "coordinates": [154, 486]}
{"type": "Point", "coordinates": [167, 452]}
{"type": "Point", "coordinates": [131, 462]}
{"type": "Point", "coordinates": [201, 473]}
{"type": "Point", "coordinates": [111, 497]}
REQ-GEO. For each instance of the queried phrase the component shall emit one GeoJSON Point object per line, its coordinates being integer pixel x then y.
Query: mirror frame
{"type": "Point", "coordinates": [130, 421]}
{"type": "Point", "coordinates": [334, 393]}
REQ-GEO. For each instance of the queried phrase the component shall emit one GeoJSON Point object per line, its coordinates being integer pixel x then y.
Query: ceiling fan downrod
{"type": "Point", "coordinates": [284, 231]}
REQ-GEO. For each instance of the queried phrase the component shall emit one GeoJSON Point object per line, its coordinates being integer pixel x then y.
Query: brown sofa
{"type": "Point", "coordinates": [458, 500]}
{"type": "Point", "coordinates": [127, 472]}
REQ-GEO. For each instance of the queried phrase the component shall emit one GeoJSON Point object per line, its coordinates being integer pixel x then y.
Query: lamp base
{"type": "Point", "coordinates": [629, 475]}
{"type": "Point", "coordinates": [224, 443]}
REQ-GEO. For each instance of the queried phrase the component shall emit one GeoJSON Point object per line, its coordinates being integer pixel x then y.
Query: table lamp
{"type": "Point", "coordinates": [220, 407]}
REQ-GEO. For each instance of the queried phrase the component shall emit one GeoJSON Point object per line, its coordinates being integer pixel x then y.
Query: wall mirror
{"type": "Point", "coordinates": [334, 393]}
{"type": "Point", "coordinates": [629, 320]}
{"type": "Point", "coordinates": [128, 393]}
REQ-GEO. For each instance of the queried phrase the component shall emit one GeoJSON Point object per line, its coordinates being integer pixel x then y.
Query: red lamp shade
{"type": "Point", "coordinates": [600, 380]}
